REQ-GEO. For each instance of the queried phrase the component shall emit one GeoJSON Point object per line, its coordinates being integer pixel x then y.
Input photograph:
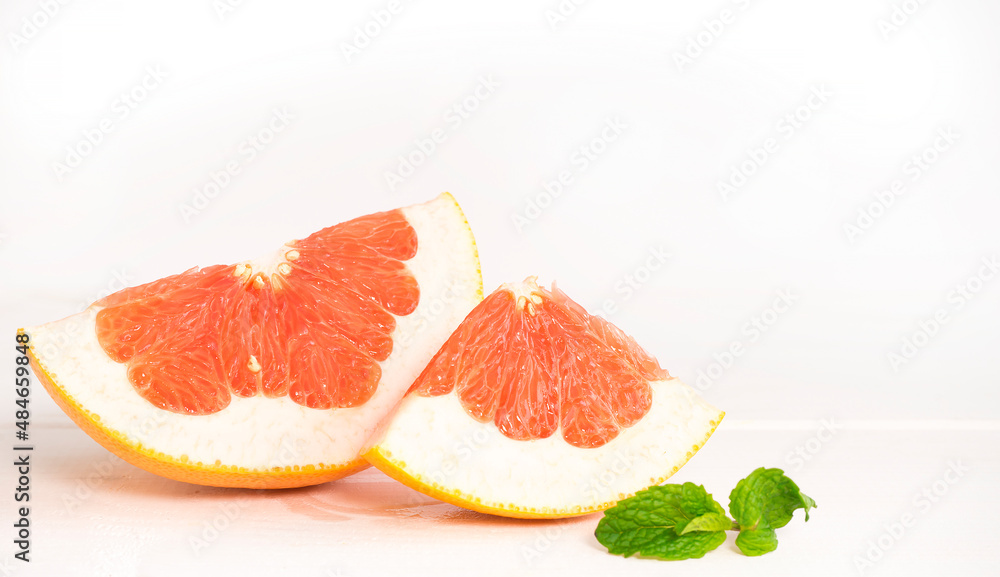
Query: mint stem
{"type": "Point", "coordinates": [735, 527]}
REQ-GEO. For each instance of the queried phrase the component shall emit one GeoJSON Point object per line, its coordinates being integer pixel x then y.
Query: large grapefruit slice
{"type": "Point", "coordinates": [271, 372]}
{"type": "Point", "coordinates": [534, 408]}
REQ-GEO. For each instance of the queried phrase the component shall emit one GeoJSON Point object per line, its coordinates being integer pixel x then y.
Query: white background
{"type": "Point", "coordinates": [892, 82]}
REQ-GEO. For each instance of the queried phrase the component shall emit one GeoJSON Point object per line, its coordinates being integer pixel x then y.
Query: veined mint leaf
{"type": "Point", "coordinates": [767, 496]}
{"type": "Point", "coordinates": [762, 502]}
{"type": "Point", "coordinates": [757, 542]}
{"type": "Point", "coordinates": [655, 522]}
{"type": "Point", "coordinates": [708, 522]}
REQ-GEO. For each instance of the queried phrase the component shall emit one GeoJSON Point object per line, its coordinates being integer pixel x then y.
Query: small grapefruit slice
{"type": "Point", "coordinates": [534, 408]}
{"type": "Point", "coordinates": [273, 372]}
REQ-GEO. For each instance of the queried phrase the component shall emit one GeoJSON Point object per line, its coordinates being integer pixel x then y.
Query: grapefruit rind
{"type": "Point", "coordinates": [182, 469]}
{"type": "Point", "coordinates": [433, 446]}
{"type": "Point", "coordinates": [257, 441]}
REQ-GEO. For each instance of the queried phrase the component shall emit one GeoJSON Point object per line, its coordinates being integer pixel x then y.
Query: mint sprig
{"type": "Point", "coordinates": [677, 522]}
{"type": "Point", "coordinates": [761, 503]}
{"type": "Point", "coordinates": [655, 523]}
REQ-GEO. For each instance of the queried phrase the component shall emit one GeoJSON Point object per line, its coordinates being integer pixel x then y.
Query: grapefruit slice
{"type": "Point", "coordinates": [272, 372]}
{"type": "Point", "coordinates": [534, 408]}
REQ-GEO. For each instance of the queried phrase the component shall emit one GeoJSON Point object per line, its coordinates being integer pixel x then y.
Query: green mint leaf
{"type": "Point", "coordinates": [654, 523]}
{"type": "Point", "coordinates": [757, 542]}
{"type": "Point", "coordinates": [708, 522]}
{"type": "Point", "coordinates": [807, 503]}
{"type": "Point", "coordinates": [761, 503]}
{"type": "Point", "coordinates": [662, 542]}
{"type": "Point", "coordinates": [767, 496]}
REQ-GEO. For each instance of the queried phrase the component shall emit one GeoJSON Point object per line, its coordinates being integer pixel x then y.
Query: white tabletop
{"type": "Point", "coordinates": [94, 514]}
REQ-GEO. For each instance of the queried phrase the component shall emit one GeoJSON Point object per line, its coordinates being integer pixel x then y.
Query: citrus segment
{"type": "Point", "coordinates": [313, 328]}
{"type": "Point", "coordinates": [230, 374]}
{"type": "Point", "coordinates": [539, 362]}
{"type": "Point", "coordinates": [535, 408]}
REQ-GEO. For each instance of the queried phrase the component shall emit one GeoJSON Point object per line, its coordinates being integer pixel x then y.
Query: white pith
{"type": "Point", "coordinates": [525, 292]}
{"type": "Point", "coordinates": [273, 263]}
{"type": "Point", "coordinates": [434, 440]}
{"type": "Point", "coordinates": [260, 433]}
